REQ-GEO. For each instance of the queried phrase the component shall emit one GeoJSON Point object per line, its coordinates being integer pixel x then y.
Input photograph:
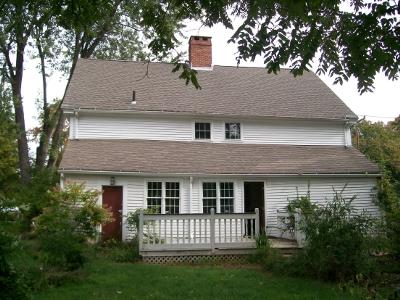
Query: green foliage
{"type": "Point", "coordinates": [303, 205]}
{"type": "Point", "coordinates": [132, 218]}
{"type": "Point", "coordinates": [66, 225]}
{"type": "Point", "coordinates": [338, 240]}
{"type": "Point", "coordinates": [268, 257]}
{"type": "Point", "coordinates": [8, 146]}
{"type": "Point", "coordinates": [381, 143]}
{"type": "Point", "coordinates": [33, 197]}
{"type": "Point", "coordinates": [120, 251]}
{"type": "Point", "coordinates": [12, 285]}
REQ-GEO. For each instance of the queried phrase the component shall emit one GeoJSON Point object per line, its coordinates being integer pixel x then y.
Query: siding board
{"type": "Point", "coordinates": [278, 191]}
{"type": "Point", "coordinates": [181, 129]}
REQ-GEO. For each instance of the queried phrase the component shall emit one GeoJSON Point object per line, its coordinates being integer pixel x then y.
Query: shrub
{"type": "Point", "coordinates": [12, 285]}
{"type": "Point", "coordinates": [120, 251]}
{"type": "Point", "coordinates": [338, 239]}
{"type": "Point", "coordinates": [64, 227]}
{"type": "Point", "coordinates": [269, 258]}
{"type": "Point", "coordinates": [132, 218]}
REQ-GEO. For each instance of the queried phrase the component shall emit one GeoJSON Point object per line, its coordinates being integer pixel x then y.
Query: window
{"type": "Point", "coordinates": [172, 198]}
{"type": "Point", "coordinates": [154, 196]}
{"type": "Point", "coordinates": [202, 131]}
{"type": "Point", "coordinates": [226, 197]}
{"type": "Point", "coordinates": [232, 131]}
{"type": "Point", "coordinates": [209, 196]}
{"type": "Point", "coordinates": [163, 197]}
{"type": "Point", "coordinates": [218, 196]}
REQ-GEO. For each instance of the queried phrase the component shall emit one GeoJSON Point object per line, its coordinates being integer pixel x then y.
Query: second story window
{"type": "Point", "coordinates": [202, 131]}
{"type": "Point", "coordinates": [232, 131]}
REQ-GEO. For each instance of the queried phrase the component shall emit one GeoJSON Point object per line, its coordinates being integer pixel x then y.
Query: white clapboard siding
{"type": "Point", "coordinates": [134, 127]}
{"type": "Point", "coordinates": [181, 129]}
{"type": "Point", "coordinates": [295, 133]}
{"type": "Point", "coordinates": [280, 191]}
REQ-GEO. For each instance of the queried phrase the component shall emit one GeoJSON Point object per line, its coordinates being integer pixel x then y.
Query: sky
{"type": "Point", "coordinates": [381, 105]}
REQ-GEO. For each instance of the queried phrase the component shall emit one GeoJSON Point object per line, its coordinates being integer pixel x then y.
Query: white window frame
{"type": "Point", "coordinates": [163, 192]}
{"type": "Point", "coordinates": [194, 131]}
{"type": "Point", "coordinates": [218, 187]}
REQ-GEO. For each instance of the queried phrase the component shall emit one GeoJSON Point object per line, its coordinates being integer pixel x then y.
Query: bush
{"type": "Point", "coordinates": [12, 285]}
{"type": "Point", "coordinates": [338, 239]}
{"type": "Point", "coordinates": [132, 218]}
{"type": "Point", "coordinates": [120, 251]}
{"type": "Point", "coordinates": [64, 227]}
{"type": "Point", "coordinates": [269, 258]}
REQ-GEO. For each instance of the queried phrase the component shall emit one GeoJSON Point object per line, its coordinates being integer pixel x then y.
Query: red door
{"type": "Point", "coordinates": [112, 199]}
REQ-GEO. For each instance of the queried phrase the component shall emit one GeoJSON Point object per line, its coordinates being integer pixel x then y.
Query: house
{"type": "Point", "coordinates": [247, 139]}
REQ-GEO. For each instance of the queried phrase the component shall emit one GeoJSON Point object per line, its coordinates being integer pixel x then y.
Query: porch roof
{"type": "Point", "coordinates": [172, 157]}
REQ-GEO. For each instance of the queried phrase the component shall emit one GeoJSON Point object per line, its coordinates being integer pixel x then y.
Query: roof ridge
{"type": "Point", "coordinates": [170, 63]}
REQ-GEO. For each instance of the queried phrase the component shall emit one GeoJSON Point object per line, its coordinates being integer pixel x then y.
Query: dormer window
{"type": "Point", "coordinates": [202, 131]}
{"type": "Point", "coordinates": [232, 131]}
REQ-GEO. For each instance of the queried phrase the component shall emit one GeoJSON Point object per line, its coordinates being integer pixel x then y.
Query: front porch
{"type": "Point", "coordinates": [202, 234]}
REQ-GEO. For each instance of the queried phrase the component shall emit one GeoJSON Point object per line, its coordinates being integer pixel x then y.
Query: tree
{"type": "Point", "coordinates": [8, 145]}
{"type": "Point", "coordinates": [17, 22]}
{"type": "Point", "coordinates": [348, 38]}
{"type": "Point", "coordinates": [61, 31]}
{"type": "Point", "coordinates": [358, 40]}
{"type": "Point", "coordinates": [381, 143]}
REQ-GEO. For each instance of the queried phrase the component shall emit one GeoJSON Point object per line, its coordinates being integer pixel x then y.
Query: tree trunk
{"type": "Point", "coordinates": [23, 150]}
{"type": "Point", "coordinates": [58, 141]}
{"type": "Point", "coordinates": [43, 149]}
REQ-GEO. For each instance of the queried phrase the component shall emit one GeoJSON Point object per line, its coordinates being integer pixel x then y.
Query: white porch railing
{"type": "Point", "coordinates": [198, 232]}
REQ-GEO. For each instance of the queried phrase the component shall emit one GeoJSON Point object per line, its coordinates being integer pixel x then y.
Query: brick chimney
{"type": "Point", "coordinates": [200, 52]}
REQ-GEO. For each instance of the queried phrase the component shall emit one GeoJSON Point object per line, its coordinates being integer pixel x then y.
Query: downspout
{"type": "Point", "coordinates": [62, 181]}
{"type": "Point", "coordinates": [190, 193]}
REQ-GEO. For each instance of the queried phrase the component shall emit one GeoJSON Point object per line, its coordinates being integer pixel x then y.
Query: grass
{"type": "Point", "coordinates": [110, 280]}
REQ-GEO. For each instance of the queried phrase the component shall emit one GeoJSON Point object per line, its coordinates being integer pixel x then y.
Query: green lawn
{"type": "Point", "coordinates": [108, 280]}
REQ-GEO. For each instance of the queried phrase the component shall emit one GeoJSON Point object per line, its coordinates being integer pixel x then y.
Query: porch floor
{"type": "Point", "coordinates": [287, 246]}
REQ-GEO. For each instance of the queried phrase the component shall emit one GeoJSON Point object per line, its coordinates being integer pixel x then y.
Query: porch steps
{"type": "Point", "coordinates": [285, 246]}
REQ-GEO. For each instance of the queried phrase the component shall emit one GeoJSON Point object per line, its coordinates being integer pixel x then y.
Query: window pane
{"type": "Point", "coordinates": [232, 131]}
{"type": "Point", "coordinates": [154, 192]}
{"type": "Point", "coordinates": [226, 205]}
{"type": "Point", "coordinates": [209, 189]}
{"type": "Point", "coordinates": [172, 197]}
{"type": "Point", "coordinates": [226, 197]}
{"type": "Point", "coordinates": [209, 196]}
{"type": "Point", "coordinates": [208, 204]}
{"type": "Point", "coordinates": [202, 130]}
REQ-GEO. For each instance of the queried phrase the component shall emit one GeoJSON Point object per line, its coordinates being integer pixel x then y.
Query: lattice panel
{"type": "Point", "coordinates": [192, 259]}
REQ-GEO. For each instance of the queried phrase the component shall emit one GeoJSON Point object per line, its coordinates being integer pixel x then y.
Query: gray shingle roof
{"type": "Point", "coordinates": [108, 85]}
{"type": "Point", "coordinates": [211, 158]}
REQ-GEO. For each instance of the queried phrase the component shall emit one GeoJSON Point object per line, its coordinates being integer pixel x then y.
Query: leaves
{"type": "Point", "coordinates": [357, 38]}
{"type": "Point", "coordinates": [381, 143]}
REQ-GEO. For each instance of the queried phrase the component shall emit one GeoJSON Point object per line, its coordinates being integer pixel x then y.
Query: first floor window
{"type": "Point", "coordinates": [163, 197]}
{"type": "Point", "coordinates": [218, 196]}
{"type": "Point", "coordinates": [226, 197]}
{"type": "Point", "coordinates": [154, 196]}
{"type": "Point", "coordinates": [172, 198]}
{"type": "Point", "coordinates": [209, 196]}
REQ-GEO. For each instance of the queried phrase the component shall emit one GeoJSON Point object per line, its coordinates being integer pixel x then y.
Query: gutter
{"type": "Point", "coordinates": [71, 110]}
{"type": "Point", "coordinates": [139, 173]}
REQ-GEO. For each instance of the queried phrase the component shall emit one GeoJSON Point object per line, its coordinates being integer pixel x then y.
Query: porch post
{"type": "Point", "coordinates": [212, 230]}
{"type": "Point", "coordinates": [140, 231]}
{"type": "Point", "coordinates": [257, 229]}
